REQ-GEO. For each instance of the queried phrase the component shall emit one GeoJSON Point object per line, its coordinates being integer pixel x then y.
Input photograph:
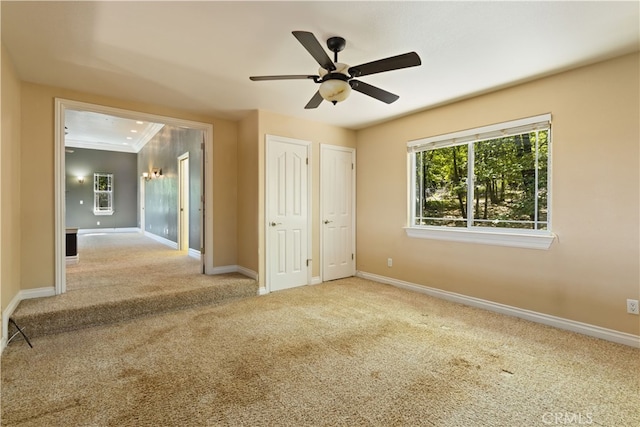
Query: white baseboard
{"type": "Point", "coordinates": [13, 304]}
{"type": "Point", "coordinates": [194, 253]}
{"type": "Point", "coordinates": [235, 269]}
{"type": "Point", "coordinates": [167, 242]}
{"type": "Point", "coordinates": [37, 293]}
{"type": "Point", "coordinates": [72, 260]}
{"type": "Point", "coordinates": [247, 272]}
{"type": "Point", "coordinates": [316, 280]}
{"type": "Point", "coordinates": [546, 319]}
{"type": "Point", "coordinates": [225, 269]}
{"type": "Point", "coordinates": [109, 230]}
{"type": "Point", "coordinates": [242, 270]}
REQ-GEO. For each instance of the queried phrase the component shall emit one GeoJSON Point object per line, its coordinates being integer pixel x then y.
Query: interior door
{"type": "Point", "coordinates": [183, 201]}
{"type": "Point", "coordinates": [141, 190]}
{"type": "Point", "coordinates": [287, 213]}
{"type": "Point", "coordinates": [337, 188]}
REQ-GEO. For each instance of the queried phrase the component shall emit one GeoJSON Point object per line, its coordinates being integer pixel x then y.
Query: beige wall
{"type": "Point", "coordinates": [248, 254]}
{"type": "Point", "coordinates": [10, 222]}
{"type": "Point", "coordinates": [593, 267]}
{"type": "Point", "coordinates": [37, 172]}
{"type": "Point", "coordinates": [586, 275]}
{"type": "Point", "coordinates": [251, 147]}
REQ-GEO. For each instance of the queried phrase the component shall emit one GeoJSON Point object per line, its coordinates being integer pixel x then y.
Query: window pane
{"type": "Point", "coordinates": [104, 183]}
{"type": "Point", "coordinates": [506, 194]}
{"type": "Point", "coordinates": [103, 201]}
{"type": "Point", "coordinates": [441, 188]}
{"type": "Point", "coordinates": [543, 177]}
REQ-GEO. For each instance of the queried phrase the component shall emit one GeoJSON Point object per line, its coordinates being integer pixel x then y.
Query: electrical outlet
{"type": "Point", "coordinates": [632, 306]}
{"type": "Point", "coordinates": [389, 262]}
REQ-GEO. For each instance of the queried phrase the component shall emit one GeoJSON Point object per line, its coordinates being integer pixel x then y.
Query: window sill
{"type": "Point", "coordinates": [515, 239]}
{"type": "Point", "coordinates": [103, 213]}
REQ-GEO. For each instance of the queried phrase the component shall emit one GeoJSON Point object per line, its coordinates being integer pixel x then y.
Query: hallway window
{"type": "Point", "coordinates": [103, 194]}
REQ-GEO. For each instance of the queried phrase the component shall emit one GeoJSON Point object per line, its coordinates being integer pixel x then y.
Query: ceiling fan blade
{"type": "Point", "coordinates": [292, 77]}
{"type": "Point", "coordinates": [406, 60]}
{"type": "Point", "coordinates": [374, 92]}
{"type": "Point", "coordinates": [314, 102]}
{"type": "Point", "coordinates": [311, 43]}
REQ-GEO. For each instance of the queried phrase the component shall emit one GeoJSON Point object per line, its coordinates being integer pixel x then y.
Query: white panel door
{"type": "Point", "coordinates": [183, 202]}
{"type": "Point", "coordinates": [287, 213]}
{"type": "Point", "coordinates": [337, 181]}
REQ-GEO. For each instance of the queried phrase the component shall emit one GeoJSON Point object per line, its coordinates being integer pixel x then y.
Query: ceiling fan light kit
{"type": "Point", "coordinates": [335, 85]}
{"type": "Point", "coordinates": [336, 79]}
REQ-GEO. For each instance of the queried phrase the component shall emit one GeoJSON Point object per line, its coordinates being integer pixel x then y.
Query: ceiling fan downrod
{"type": "Point", "coordinates": [335, 45]}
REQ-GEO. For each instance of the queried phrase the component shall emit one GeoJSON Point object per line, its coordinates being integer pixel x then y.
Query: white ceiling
{"type": "Point", "coordinates": [198, 56]}
{"type": "Point", "coordinates": [97, 131]}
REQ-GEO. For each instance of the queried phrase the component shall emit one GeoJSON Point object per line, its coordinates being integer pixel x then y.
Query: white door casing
{"type": "Point", "coordinates": [287, 213]}
{"type": "Point", "coordinates": [61, 105]}
{"type": "Point", "coordinates": [337, 207]}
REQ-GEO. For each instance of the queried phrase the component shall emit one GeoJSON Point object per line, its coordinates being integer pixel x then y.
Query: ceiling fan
{"type": "Point", "coordinates": [336, 79]}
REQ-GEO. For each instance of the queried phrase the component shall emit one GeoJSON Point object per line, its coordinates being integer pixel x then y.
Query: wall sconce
{"type": "Point", "coordinates": [155, 173]}
{"type": "Point", "coordinates": [81, 179]}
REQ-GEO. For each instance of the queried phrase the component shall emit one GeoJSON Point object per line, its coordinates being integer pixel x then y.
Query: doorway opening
{"type": "Point", "coordinates": [62, 108]}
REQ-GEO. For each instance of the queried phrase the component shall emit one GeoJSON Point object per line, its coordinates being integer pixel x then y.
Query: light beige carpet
{"type": "Point", "coordinates": [126, 275]}
{"type": "Point", "coordinates": [345, 353]}
{"type": "Point", "coordinates": [129, 259]}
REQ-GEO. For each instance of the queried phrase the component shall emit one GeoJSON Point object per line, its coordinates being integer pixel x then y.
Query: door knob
{"type": "Point", "coordinates": [326, 221]}
{"type": "Point", "coordinates": [273, 224]}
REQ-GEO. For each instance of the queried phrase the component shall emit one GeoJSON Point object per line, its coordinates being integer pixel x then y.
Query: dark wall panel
{"type": "Point", "coordinates": [84, 162]}
{"type": "Point", "coordinates": [161, 194]}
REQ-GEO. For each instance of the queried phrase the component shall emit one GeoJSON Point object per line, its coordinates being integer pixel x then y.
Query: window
{"type": "Point", "coordinates": [488, 184]}
{"type": "Point", "coordinates": [103, 194]}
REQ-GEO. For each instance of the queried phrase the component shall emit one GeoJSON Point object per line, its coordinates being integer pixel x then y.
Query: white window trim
{"type": "Point", "coordinates": [102, 212]}
{"type": "Point", "coordinates": [517, 238]}
{"type": "Point", "coordinates": [511, 238]}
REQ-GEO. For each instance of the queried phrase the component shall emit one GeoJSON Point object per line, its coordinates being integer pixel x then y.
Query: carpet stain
{"type": "Point", "coordinates": [506, 372]}
{"type": "Point", "coordinates": [57, 410]}
{"type": "Point", "coordinates": [352, 340]}
{"type": "Point", "coordinates": [298, 350]}
{"type": "Point", "coordinates": [460, 362]}
{"type": "Point", "coordinates": [152, 337]}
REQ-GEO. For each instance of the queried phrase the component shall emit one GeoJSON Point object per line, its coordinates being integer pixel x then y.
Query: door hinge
{"type": "Point", "coordinates": [308, 261]}
{"type": "Point", "coordinates": [202, 251]}
{"type": "Point", "coordinates": [307, 160]}
{"type": "Point", "coordinates": [351, 257]}
{"type": "Point", "coordinates": [202, 146]}
{"type": "Point", "coordinates": [351, 166]}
